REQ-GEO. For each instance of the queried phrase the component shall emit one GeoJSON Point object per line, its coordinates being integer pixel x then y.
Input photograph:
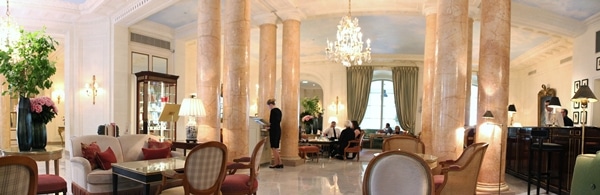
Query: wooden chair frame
{"type": "Point", "coordinates": [26, 162]}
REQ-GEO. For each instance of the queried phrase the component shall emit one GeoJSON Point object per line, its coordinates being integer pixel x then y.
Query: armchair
{"type": "Point", "coordinates": [19, 175]}
{"type": "Point", "coordinates": [404, 143]}
{"type": "Point", "coordinates": [244, 183]}
{"type": "Point", "coordinates": [397, 172]}
{"type": "Point", "coordinates": [585, 175]}
{"type": "Point", "coordinates": [460, 176]}
{"type": "Point", "coordinates": [354, 146]}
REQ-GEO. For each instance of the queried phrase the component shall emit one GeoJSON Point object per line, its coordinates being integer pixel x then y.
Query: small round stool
{"type": "Point", "coordinates": [303, 151]}
{"type": "Point", "coordinates": [51, 184]}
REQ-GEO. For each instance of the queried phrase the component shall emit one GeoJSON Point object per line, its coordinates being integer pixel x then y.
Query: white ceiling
{"type": "Point", "coordinates": [396, 27]}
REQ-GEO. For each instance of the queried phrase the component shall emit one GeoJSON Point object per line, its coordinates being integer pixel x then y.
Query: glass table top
{"type": "Point", "coordinates": [146, 167]}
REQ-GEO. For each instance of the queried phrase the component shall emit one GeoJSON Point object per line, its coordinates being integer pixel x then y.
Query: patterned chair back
{"type": "Point", "coordinates": [205, 168]}
{"type": "Point", "coordinates": [19, 175]}
{"type": "Point", "coordinates": [397, 172]}
{"type": "Point", "coordinates": [404, 143]}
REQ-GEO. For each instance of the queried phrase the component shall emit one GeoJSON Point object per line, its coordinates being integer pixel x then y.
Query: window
{"type": "Point", "coordinates": [381, 107]}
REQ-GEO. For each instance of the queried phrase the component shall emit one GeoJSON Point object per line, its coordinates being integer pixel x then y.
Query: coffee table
{"type": "Point", "coordinates": [145, 171]}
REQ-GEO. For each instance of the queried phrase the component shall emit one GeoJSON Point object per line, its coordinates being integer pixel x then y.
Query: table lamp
{"type": "Point", "coordinates": [554, 104]}
{"type": "Point", "coordinates": [192, 107]}
{"type": "Point", "coordinates": [512, 110]}
{"type": "Point", "coordinates": [584, 95]}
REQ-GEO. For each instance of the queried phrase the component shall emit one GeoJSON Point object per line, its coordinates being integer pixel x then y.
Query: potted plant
{"type": "Point", "coordinates": [27, 70]}
{"type": "Point", "coordinates": [309, 115]}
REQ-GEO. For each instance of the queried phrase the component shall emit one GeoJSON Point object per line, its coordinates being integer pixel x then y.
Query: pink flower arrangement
{"type": "Point", "coordinates": [307, 118]}
{"type": "Point", "coordinates": [43, 109]}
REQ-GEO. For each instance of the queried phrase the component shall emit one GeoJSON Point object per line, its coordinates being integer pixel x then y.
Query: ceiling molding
{"type": "Point", "coordinates": [547, 21]}
{"type": "Point", "coordinates": [550, 48]}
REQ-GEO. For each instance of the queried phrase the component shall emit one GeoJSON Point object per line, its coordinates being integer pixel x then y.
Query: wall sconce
{"type": "Point", "coordinates": [91, 89]}
{"type": "Point", "coordinates": [58, 95]}
{"type": "Point", "coordinates": [336, 105]}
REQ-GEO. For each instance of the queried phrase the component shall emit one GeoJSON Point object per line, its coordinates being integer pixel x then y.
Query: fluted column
{"type": "Point", "coordinates": [428, 74]}
{"type": "Point", "coordinates": [449, 93]}
{"type": "Point", "coordinates": [290, 87]}
{"type": "Point", "coordinates": [494, 62]}
{"type": "Point", "coordinates": [209, 68]}
{"type": "Point", "coordinates": [267, 74]}
{"type": "Point", "coordinates": [236, 79]}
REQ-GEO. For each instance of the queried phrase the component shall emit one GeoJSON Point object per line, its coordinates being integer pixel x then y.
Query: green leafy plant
{"type": "Point", "coordinates": [311, 106]}
{"type": "Point", "coordinates": [26, 66]}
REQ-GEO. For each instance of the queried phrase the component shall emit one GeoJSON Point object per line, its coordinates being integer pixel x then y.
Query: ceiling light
{"type": "Point", "coordinates": [9, 31]}
{"type": "Point", "coordinates": [348, 48]}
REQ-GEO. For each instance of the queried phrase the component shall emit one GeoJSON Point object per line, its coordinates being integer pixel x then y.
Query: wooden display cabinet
{"type": "Point", "coordinates": [154, 90]}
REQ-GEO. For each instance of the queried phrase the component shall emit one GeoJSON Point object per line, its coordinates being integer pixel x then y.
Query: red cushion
{"type": "Point", "coordinates": [106, 158]}
{"type": "Point", "coordinates": [89, 152]}
{"type": "Point", "coordinates": [237, 183]}
{"type": "Point", "coordinates": [152, 143]}
{"type": "Point", "coordinates": [438, 180]}
{"type": "Point", "coordinates": [308, 149]}
{"type": "Point", "coordinates": [50, 184]}
{"type": "Point", "coordinates": [156, 153]}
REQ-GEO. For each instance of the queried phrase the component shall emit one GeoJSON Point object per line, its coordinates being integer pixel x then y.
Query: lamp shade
{"type": "Point", "coordinates": [192, 107]}
{"type": "Point", "coordinates": [584, 93]}
{"type": "Point", "coordinates": [488, 115]}
{"type": "Point", "coordinates": [554, 102]}
{"type": "Point", "coordinates": [512, 108]}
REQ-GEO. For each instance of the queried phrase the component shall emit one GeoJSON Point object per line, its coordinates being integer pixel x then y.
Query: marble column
{"type": "Point", "coordinates": [267, 74]}
{"type": "Point", "coordinates": [469, 77]}
{"type": "Point", "coordinates": [236, 77]}
{"type": "Point", "coordinates": [428, 74]}
{"type": "Point", "coordinates": [449, 92]}
{"type": "Point", "coordinates": [290, 86]}
{"type": "Point", "coordinates": [5, 116]}
{"type": "Point", "coordinates": [493, 79]}
{"type": "Point", "coordinates": [209, 68]}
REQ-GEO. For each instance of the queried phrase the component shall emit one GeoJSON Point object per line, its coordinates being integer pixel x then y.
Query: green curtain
{"type": "Point", "coordinates": [405, 80]}
{"type": "Point", "coordinates": [358, 82]}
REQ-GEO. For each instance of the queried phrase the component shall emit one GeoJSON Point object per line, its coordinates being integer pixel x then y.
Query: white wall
{"type": "Point", "coordinates": [584, 62]}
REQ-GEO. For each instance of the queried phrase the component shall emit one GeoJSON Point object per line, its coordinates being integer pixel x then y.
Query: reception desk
{"type": "Point", "coordinates": [517, 150]}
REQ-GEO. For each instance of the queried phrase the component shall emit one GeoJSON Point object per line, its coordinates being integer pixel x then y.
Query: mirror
{"type": "Point", "coordinates": [311, 89]}
{"type": "Point", "coordinates": [545, 94]}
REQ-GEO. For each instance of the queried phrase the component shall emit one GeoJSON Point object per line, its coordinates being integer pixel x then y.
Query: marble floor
{"type": "Point", "coordinates": [328, 176]}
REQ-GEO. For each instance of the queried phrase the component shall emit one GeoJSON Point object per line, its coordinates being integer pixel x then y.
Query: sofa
{"type": "Point", "coordinates": [97, 181]}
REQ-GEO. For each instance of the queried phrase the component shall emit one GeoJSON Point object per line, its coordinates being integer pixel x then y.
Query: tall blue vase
{"type": "Point", "coordinates": [24, 124]}
{"type": "Point", "coordinates": [39, 136]}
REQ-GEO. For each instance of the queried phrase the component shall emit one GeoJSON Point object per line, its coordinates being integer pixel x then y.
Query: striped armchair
{"type": "Point", "coordinates": [204, 169]}
{"type": "Point", "coordinates": [19, 175]}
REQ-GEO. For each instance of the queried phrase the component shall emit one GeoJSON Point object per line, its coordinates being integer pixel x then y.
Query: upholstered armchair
{"type": "Point", "coordinates": [19, 175]}
{"type": "Point", "coordinates": [585, 177]}
{"type": "Point", "coordinates": [244, 183]}
{"type": "Point", "coordinates": [354, 146]}
{"type": "Point", "coordinates": [397, 172]}
{"type": "Point", "coordinates": [460, 176]}
{"type": "Point", "coordinates": [204, 169]}
{"type": "Point", "coordinates": [404, 143]}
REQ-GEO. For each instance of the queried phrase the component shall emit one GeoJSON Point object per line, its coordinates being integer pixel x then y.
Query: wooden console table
{"type": "Point", "coordinates": [184, 145]}
{"type": "Point", "coordinates": [519, 140]}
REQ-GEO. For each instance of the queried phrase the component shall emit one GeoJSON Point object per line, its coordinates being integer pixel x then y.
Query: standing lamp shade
{"type": "Point", "coordinates": [554, 102]}
{"type": "Point", "coordinates": [488, 115]}
{"type": "Point", "coordinates": [584, 95]}
{"type": "Point", "coordinates": [192, 108]}
{"type": "Point", "coordinates": [512, 108]}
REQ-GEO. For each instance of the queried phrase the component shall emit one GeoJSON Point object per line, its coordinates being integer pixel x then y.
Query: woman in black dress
{"type": "Point", "coordinates": [275, 132]}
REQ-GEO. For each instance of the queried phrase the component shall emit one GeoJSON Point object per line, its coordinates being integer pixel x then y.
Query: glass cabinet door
{"type": "Point", "coordinates": [154, 91]}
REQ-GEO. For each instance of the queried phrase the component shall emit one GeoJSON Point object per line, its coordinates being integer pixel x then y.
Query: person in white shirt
{"type": "Point", "coordinates": [332, 132]}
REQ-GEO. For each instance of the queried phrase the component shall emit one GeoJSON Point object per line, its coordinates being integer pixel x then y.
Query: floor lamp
{"type": "Point", "coordinates": [584, 95]}
{"type": "Point", "coordinates": [489, 116]}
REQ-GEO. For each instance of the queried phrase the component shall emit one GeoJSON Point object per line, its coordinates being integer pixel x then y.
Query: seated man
{"type": "Point", "coordinates": [332, 132]}
{"type": "Point", "coordinates": [348, 134]}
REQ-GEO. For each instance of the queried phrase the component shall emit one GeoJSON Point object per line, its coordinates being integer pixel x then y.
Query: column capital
{"type": "Point", "coordinates": [291, 14]}
{"type": "Point", "coordinates": [474, 12]}
{"type": "Point", "coordinates": [429, 8]}
{"type": "Point", "coordinates": [268, 18]}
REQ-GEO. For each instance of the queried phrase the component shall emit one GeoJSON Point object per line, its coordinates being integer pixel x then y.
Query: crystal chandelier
{"type": "Point", "coordinates": [348, 48]}
{"type": "Point", "coordinates": [9, 31]}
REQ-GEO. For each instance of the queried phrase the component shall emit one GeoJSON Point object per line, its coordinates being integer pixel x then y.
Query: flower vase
{"type": "Point", "coordinates": [308, 128]}
{"type": "Point", "coordinates": [39, 136]}
{"type": "Point", "coordinates": [24, 124]}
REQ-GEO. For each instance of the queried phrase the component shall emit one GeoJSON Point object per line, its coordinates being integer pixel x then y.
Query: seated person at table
{"type": "Point", "coordinates": [347, 134]}
{"type": "Point", "coordinates": [398, 131]}
{"type": "Point", "coordinates": [567, 121]}
{"type": "Point", "coordinates": [388, 129]}
{"type": "Point", "coordinates": [332, 132]}
{"type": "Point", "coordinates": [357, 130]}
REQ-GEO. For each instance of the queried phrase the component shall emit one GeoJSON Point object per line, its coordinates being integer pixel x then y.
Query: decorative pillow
{"type": "Point", "coordinates": [106, 158]}
{"type": "Point", "coordinates": [152, 143]}
{"type": "Point", "coordinates": [89, 152]}
{"type": "Point", "coordinates": [156, 153]}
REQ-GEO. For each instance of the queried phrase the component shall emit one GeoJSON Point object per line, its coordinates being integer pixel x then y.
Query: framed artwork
{"type": "Point", "coordinates": [575, 86]}
{"type": "Point", "coordinates": [583, 117]}
{"type": "Point", "coordinates": [598, 63]}
{"type": "Point", "coordinates": [575, 117]}
{"type": "Point", "coordinates": [575, 105]}
{"type": "Point", "coordinates": [584, 82]}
